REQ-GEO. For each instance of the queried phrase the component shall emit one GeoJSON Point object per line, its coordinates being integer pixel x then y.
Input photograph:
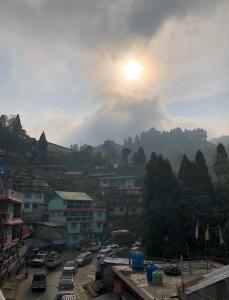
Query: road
{"type": "Point", "coordinates": [84, 274]}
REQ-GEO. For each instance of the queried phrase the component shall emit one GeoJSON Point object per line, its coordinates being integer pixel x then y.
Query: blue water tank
{"type": "Point", "coordinates": [149, 272]}
{"type": "Point", "coordinates": [138, 260]}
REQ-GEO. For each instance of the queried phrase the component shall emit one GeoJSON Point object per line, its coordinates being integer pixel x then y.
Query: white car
{"type": "Point", "coordinates": [107, 252]}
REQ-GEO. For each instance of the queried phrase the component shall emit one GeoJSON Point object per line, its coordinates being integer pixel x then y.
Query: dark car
{"type": "Point", "coordinates": [71, 265]}
{"type": "Point", "coordinates": [94, 247]}
{"type": "Point", "coordinates": [65, 288]}
{"type": "Point", "coordinates": [84, 258]}
{"type": "Point", "coordinates": [39, 281]}
{"type": "Point", "coordinates": [39, 260]}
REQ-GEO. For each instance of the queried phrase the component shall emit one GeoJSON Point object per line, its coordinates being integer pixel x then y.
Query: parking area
{"type": "Point", "coordinates": [83, 275]}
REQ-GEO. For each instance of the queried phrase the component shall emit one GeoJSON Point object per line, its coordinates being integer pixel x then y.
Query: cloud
{"type": "Point", "coordinates": [64, 58]}
{"type": "Point", "coordinates": [122, 118]}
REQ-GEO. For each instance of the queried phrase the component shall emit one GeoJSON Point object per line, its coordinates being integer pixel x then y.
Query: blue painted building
{"type": "Point", "coordinates": [83, 217]}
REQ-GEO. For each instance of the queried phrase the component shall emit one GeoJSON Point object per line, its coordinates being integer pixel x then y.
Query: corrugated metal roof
{"type": "Point", "coordinates": [209, 279]}
{"type": "Point", "coordinates": [74, 196]}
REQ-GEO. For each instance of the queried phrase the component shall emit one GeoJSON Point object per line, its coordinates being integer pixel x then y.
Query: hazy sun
{"type": "Point", "coordinates": [132, 70]}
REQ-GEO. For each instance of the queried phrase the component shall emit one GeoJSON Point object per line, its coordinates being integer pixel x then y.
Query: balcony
{"type": "Point", "coordinates": [11, 243]}
{"type": "Point", "coordinates": [13, 221]}
{"type": "Point", "coordinates": [9, 195]}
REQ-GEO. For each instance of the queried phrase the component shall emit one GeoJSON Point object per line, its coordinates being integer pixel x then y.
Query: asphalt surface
{"type": "Point", "coordinates": [83, 275]}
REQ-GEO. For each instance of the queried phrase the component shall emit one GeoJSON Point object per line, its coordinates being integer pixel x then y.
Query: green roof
{"type": "Point", "coordinates": [74, 196]}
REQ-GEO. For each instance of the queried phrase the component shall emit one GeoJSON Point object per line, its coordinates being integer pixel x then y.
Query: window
{"type": "Point", "coordinates": [99, 225]}
{"type": "Point", "coordinates": [35, 205]}
{"type": "Point", "coordinates": [26, 205]}
{"type": "Point", "coordinates": [73, 225]}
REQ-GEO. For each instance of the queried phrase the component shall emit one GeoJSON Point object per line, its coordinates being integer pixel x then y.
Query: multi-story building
{"type": "Point", "coordinates": [124, 201]}
{"type": "Point", "coordinates": [11, 249]}
{"type": "Point", "coordinates": [124, 205]}
{"type": "Point", "coordinates": [34, 192]}
{"type": "Point", "coordinates": [83, 217]}
{"type": "Point", "coordinates": [117, 181]}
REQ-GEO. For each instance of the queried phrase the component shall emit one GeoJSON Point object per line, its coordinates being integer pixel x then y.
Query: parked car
{"type": "Point", "coordinates": [53, 260]}
{"type": "Point", "coordinates": [113, 246]}
{"type": "Point", "coordinates": [39, 280]}
{"type": "Point", "coordinates": [94, 247]}
{"type": "Point", "coordinates": [43, 252]}
{"type": "Point", "coordinates": [105, 252]}
{"type": "Point", "coordinates": [137, 244]}
{"type": "Point", "coordinates": [65, 288]}
{"type": "Point", "coordinates": [69, 297]}
{"type": "Point", "coordinates": [84, 258]}
{"type": "Point", "coordinates": [67, 275]}
{"type": "Point", "coordinates": [39, 259]}
{"type": "Point", "coordinates": [71, 266]}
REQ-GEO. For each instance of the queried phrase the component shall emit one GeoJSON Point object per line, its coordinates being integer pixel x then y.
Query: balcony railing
{"type": "Point", "coordinates": [10, 194]}
{"type": "Point", "coordinates": [86, 230]}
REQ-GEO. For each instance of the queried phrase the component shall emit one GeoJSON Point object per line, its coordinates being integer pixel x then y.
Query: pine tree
{"type": "Point", "coordinates": [221, 152]}
{"type": "Point", "coordinates": [184, 169]}
{"type": "Point", "coordinates": [134, 158]}
{"type": "Point", "coordinates": [221, 167]}
{"type": "Point", "coordinates": [202, 177]}
{"type": "Point", "coordinates": [43, 148]}
{"type": "Point", "coordinates": [187, 172]}
{"type": "Point", "coordinates": [137, 142]}
{"type": "Point", "coordinates": [160, 180]}
{"type": "Point", "coordinates": [17, 127]}
{"type": "Point", "coordinates": [141, 157]}
{"type": "Point", "coordinates": [124, 159]}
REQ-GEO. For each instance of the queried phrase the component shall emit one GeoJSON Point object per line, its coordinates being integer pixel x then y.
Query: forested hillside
{"type": "Point", "coordinates": [173, 144]}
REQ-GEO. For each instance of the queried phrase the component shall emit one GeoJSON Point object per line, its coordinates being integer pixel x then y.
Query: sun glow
{"type": "Point", "coordinates": [132, 70]}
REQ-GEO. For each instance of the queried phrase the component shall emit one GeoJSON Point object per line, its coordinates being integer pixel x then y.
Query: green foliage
{"type": "Point", "coordinates": [17, 127]}
{"type": "Point", "coordinates": [139, 157]}
{"type": "Point", "coordinates": [203, 180]}
{"type": "Point", "coordinates": [172, 210]}
{"type": "Point", "coordinates": [187, 172]}
{"type": "Point", "coordinates": [84, 160]}
{"type": "Point", "coordinates": [195, 174]}
{"type": "Point", "coordinates": [221, 168]}
{"type": "Point", "coordinates": [43, 148]}
{"type": "Point", "coordinates": [172, 144]}
{"type": "Point", "coordinates": [13, 143]}
{"type": "Point", "coordinates": [160, 180]}
{"type": "Point", "coordinates": [124, 158]}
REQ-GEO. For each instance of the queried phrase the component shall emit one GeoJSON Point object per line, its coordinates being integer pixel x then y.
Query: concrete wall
{"type": "Point", "coordinates": [50, 232]}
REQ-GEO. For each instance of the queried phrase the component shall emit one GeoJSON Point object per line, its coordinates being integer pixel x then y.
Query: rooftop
{"type": "Point", "coordinates": [138, 282]}
{"type": "Point", "coordinates": [77, 196]}
{"type": "Point", "coordinates": [52, 224]}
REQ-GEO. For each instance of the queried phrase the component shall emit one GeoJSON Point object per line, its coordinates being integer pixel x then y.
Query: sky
{"type": "Point", "coordinates": [61, 65]}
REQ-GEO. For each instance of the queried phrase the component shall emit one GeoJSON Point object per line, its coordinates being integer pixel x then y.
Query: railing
{"type": "Point", "coordinates": [8, 193]}
{"type": "Point", "coordinates": [86, 230]}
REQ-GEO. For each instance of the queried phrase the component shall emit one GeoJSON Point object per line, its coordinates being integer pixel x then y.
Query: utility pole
{"type": "Point", "coordinates": [182, 278]}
